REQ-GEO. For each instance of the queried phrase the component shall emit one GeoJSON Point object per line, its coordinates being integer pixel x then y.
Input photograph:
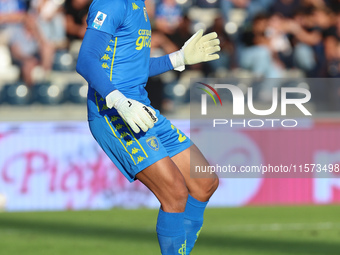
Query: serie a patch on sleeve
{"type": "Point", "coordinates": [99, 20]}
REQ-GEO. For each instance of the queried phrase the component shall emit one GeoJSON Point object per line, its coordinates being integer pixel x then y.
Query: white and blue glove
{"type": "Point", "coordinates": [197, 49]}
{"type": "Point", "coordinates": [136, 115]}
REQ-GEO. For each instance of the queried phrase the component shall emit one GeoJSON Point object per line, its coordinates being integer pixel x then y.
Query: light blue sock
{"type": "Point", "coordinates": [171, 233]}
{"type": "Point", "coordinates": [193, 221]}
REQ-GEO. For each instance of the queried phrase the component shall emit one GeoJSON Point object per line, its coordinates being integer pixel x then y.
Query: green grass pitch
{"type": "Point", "coordinates": [241, 231]}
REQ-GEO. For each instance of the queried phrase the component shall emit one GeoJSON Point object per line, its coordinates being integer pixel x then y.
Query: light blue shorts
{"type": "Point", "coordinates": [132, 152]}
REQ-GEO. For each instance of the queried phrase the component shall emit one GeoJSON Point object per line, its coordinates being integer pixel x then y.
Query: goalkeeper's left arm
{"type": "Point", "coordinates": [197, 49]}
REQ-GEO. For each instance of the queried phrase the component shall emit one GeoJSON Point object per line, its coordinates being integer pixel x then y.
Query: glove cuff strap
{"type": "Point", "coordinates": [114, 99]}
{"type": "Point", "coordinates": [177, 60]}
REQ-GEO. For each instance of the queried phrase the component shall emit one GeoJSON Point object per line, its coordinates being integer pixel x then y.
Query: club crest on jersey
{"type": "Point", "coordinates": [145, 14]}
{"type": "Point", "coordinates": [99, 20]}
{"type": "Point", "coordinates": [153, 143]}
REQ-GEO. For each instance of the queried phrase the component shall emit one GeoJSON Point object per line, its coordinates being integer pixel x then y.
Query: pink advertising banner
{"type": "Point", "coordinates": [59, 166]}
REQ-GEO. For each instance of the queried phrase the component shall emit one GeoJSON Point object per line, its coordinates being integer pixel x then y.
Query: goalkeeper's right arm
{"type": "Point", "coordinates": [134, 113]}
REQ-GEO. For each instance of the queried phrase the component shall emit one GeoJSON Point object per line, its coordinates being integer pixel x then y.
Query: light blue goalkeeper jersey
{"type": "Point", "coordinates": [126, 58]}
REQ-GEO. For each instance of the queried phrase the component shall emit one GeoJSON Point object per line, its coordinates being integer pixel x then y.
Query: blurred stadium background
{"type": "Point", "coordinates": [50, 164]}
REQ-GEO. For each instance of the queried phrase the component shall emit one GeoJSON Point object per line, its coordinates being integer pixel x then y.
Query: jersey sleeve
{"type": "Point", "coordinates": [159, 65]}
{"type": "Point", "coordinates": [106, 15]}
{"type": "Point", "coordinates": [88, 64]}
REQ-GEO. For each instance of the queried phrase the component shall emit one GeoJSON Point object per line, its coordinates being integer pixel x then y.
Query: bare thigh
{"type": "Point", "coordinates": [200, 188]}
{"type": "Point", "coordinates": [165, 180]}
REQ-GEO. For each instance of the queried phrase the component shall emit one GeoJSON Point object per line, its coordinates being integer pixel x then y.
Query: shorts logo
{"type": "Point", "coordinates": [129, 142]}
{"type": "Point", "coordinates": [114, 118]}
{"type": "Point", "coordinates": [124, 134]}
{"type": "Point", "coordinates": [140, 159]}
{"type": "Point", "coordinates": [135, 150]}
{"type": "Point", "coordinates": [99, 20]}
{"type": "Point", "coordinates": [119, 126]}
{"type": "Point", "coordinates": [153, 143]}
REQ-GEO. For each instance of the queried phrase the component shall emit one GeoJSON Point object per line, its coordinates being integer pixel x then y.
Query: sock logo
{"type": "Point", "coordinates": [198, 233]}
{"type": "Point", "coordinates": [183, 249]}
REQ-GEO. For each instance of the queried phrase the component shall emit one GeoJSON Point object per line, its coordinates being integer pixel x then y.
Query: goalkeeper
{"type": "Point", "coordinates": [115, 60]}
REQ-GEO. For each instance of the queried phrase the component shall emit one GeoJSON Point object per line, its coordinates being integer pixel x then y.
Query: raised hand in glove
{"type": "Point", "coordinates": [197, 49]}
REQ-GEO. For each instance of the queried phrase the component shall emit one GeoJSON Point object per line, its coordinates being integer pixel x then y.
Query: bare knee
{"type": "Point", "coordinates": [209, 189]}
{"type": "Point", "coordinates": [214, 185]}
{"type": "Point", "coordinates": [168, 184]}
{"type": "Point", "coordinates": [175, 199]}
{"type": "Point", "coordinates": [206, 189]}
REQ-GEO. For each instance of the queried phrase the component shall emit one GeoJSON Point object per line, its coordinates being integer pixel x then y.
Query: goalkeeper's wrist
{"type": "Point", "coordinates": [177, 60]}
{"type": "Point", "coordinates": [114, 99]}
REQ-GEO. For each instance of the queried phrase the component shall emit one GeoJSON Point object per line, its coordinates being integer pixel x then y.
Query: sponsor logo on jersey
{"type": "Point", "coordinates": [99, 20]}
{"type": "Point", "coordinates": [144, 39]}
{"type": "Point", "coordinates": [153, 143]}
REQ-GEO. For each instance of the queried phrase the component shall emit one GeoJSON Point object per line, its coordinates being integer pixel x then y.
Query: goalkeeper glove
{"type": "Point", "coordinates": [196, 50]}
{"type": "Point", "coordinates": [137, 115]}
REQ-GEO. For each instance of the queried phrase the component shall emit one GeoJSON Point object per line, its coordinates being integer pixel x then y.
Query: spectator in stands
{"type": "Point", "coordinates": [250, 7]}
{"type": "Point", "coordinates": [160, 45]}
{"type": "Point", "coordinates": [309, 28]}
{"type": "Point", "coordinates": [50, 24]}
{"type": "Point", "coordinates": [151, 6]}
{"type": "Point", "coordinates": [313, 3]}
{"type": "Point", "coordinates": [333, 5]}
{"type": "Point", "coordinates": [257, 55]}
{"type": "Point", "coordinates": [286, 8]}
{"type": "Point", "coordinates": [332, 48]}
{"type": "Point", "coordinates": [12, 13]}
{"type": "Point", "coordinates": [25, 49]}
{"type": "Point", "coordinates": [227, 54]}
{"type": "Point", "coordinates": [168, 16]}
{"type": "Point", "coordinates": [183, 32]}
{"type": "Point", "coordinates": [76, 13]}
{"type": "Point", "coordinates": [292, 52]}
